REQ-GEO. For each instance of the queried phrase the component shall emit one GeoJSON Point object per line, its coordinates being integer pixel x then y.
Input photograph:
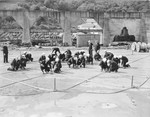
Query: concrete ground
{"type": "Point", "coordinates": [83, 92]}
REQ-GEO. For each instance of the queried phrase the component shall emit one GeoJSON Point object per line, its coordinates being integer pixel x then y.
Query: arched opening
{"type": "Point", "coordinates": [46, 31]}
{"type": "Point", "coordinates": [10, 30]}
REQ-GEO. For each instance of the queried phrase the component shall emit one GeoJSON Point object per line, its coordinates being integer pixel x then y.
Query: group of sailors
{"type": "Point", "coordinates": [20, 62]}
{"type": "Point", "coordinates": [112, 63]}
{"type": "Point", "coordinates": [53, 62]}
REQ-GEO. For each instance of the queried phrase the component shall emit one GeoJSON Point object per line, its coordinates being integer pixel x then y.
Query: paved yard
{"type": "Point", "coordinates": [83, 92]}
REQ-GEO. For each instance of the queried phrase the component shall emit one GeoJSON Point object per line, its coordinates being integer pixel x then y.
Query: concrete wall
{"type": "Point", "coordinates": [112, 23]}
{"type": "Point", "coordinates": [148, 30]}
{"type": "Point", "coordinates": [147, 23]}
{"type": "Point", "coordinates": [116, 25]}
{"type": "Point", "coordinates": [82, 40]}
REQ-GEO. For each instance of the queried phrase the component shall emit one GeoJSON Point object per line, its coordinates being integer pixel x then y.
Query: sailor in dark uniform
{"type": "Point", "coordinates": [5, 53]}
{"type": "Point", "coordinates": [90, 48]}
{"type": "Point", "coordinates": [55, 50]}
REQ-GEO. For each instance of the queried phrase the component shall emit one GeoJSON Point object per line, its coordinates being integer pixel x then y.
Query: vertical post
{"type": "Point", "coordinates": [106, 32]}
{"type": "Point", "coordinates": [132, 52]}
{"type": "Point", "coordinates": [67, 28]}
{"type": "Point", "coordinates": [26, 29]}
{"type": "Point", "coordinates": [55, 85]}
{"type": "Point", "coordinates": [132, 82]}
{"type": "Point", "coordinates": [143, 31]}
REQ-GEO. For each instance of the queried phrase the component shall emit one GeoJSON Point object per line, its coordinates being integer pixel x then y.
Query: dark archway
{"type": "Point", "coordinates": [10, 30]}
{"type": "Point", "coordinates": [46, 31]}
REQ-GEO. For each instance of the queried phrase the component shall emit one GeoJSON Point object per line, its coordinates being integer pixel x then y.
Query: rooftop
{"type": "Point", "coordinates": [89, 24]}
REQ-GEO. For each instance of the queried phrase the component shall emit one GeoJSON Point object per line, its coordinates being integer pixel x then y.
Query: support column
{"type": "Point", "coordinates": [143, 30]}
{"type": "Point", "coordinates": [23, 20]}
{"type": "Point", "coordinates": [26, 29]}
{"type": "Point", "coordinates": [106, 32]}
{"type": "Point", "coordinates": [67, 29]}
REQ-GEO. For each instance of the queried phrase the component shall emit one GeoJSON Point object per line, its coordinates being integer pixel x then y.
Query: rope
{"type": "Point", "coordinates": [83, 82]}
{"type": "Point", "coordinates": [35, 87]}
{"type": "Point", "coordinates": [139, 59]}
{"type": "Point", "coordinates": [98, 75]}
{"type": "Point", "coordinates": [22, 95]}
{"type": "Point", "coordinates": [19, 81]}
{"type": "Point", "coordinates": [115, 92]}
{"type": "Point", "coordinates": [48, 90]}
{"type": "Point", "coordinates": [143, 83]}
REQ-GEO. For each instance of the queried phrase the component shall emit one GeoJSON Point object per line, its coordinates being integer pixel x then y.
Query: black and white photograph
{"type": "Point", "coordinates": [74, 58]}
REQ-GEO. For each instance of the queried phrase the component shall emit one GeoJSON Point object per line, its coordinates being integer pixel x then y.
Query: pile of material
{"type": "Point", "coordinates": [140, 47]}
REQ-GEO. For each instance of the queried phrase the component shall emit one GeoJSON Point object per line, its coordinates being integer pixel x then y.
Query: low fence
{"type": "Point", "coordinates": [133, 83]}
{"type": "Point", "coordinates": [42, 38]}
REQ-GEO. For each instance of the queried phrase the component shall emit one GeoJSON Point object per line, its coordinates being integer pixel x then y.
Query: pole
{"type": "Point", "coordinates": [132, 82]}
{"type": "Point", "coordinates": [55, 85]}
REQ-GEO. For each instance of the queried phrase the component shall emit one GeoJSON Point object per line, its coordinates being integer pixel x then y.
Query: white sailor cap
{"type": "Point", "coordinates": [104, 59]}
{"type": "Point", "coordinates": [120, 56]}
{"type": "Point", "coordinates": [57, 59]}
